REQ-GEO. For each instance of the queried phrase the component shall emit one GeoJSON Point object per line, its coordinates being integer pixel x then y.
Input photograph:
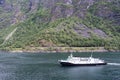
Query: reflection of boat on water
{"type": "Point", "coordinates": [82, 61]}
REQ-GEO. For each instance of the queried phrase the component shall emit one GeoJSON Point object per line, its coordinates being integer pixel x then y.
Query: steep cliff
{"type": "Point", "coordinates": [14, 11]}
{"type": "Point", "coordinates": [60, 23]}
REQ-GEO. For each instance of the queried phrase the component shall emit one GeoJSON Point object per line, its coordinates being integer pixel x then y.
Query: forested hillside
{"type": "Point", "coordinates": [59, 23]}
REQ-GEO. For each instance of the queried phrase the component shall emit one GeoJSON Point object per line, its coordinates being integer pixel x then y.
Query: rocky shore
{"type": "Point", "coordinates": [59, 49]}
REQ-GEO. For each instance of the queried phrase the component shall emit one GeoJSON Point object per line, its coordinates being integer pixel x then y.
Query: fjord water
{"type": "Point", "coordinates": [45, 66]}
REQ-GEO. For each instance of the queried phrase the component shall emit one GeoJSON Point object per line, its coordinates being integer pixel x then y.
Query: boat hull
{"type": "Point", "coordinates": [71, 64]}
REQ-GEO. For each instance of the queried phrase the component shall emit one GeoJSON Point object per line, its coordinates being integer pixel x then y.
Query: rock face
{"type": "Point", "coordinates": [109, 11]}
{"type": "Point", "coordinates": [14, 11]}
{"type": "Point", "coordinates": [58, 8]}
{"type": "Point", "coordinates": [2, 2]}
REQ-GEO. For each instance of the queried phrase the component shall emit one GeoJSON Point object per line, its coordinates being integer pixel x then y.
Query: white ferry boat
{"type": "Point", "coordinates": [82, 61]}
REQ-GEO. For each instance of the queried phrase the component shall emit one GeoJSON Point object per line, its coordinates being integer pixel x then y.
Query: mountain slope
{"type": "Point", "coordinates": [73, 23]}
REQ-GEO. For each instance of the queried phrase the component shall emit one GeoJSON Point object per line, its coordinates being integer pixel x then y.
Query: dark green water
{"type": "Point", "coordinates": [28, 66]}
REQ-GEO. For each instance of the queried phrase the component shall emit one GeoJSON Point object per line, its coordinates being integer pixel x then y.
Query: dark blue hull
{"type": "Point", "coordinates": [70, 64]}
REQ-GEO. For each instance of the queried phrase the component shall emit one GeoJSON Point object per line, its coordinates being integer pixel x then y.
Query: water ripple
{"type": "Point", "coordinates": [115, 64]}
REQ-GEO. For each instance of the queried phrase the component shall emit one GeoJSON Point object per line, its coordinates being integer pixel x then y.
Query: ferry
{"type": "Point", "coordinates": [81, 61]}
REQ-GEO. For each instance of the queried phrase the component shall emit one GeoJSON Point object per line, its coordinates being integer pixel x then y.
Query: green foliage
{"type": "Point", "coordinates": [64, 5]}
{"type": "Point", "coordinates": [108, 24]}
{"type": "Point", "coordinates": [62, 31]}
{"type": "Point", "coordinates": [25, 7]}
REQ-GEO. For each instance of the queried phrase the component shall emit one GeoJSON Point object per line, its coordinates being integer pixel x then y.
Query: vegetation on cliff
{"type": "Point", "coordinates": [44, 27]}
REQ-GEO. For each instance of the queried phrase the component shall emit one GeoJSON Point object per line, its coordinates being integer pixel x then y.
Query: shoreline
{"type": "Point", "coordinates": [58, 49]}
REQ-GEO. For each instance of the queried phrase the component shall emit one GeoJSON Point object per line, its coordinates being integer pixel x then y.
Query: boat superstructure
{"type": "Point", "coordinates": [82, 61]}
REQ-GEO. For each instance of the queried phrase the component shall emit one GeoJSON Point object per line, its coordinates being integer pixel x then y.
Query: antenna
{"type": "Point", "coordinates": [91, 54]}
{"type": "Point", "coordinates": [71, 55]}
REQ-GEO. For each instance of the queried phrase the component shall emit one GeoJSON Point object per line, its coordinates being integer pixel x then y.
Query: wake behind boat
{"type": "Point", "coordinates": [82, 61]}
